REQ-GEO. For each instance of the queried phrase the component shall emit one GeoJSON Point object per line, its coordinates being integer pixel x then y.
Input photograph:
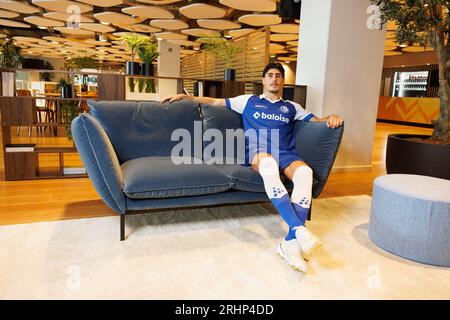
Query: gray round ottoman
{"type": "Point", "coordinates": [410, 217]}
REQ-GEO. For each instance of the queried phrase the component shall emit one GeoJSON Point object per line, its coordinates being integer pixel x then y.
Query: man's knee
{"type": "Point", "coordinates": [304, 170]}
{"type": "Point", "coordinates": [268, 166]}
{"type": "Point", "coordinates": [257, 159]}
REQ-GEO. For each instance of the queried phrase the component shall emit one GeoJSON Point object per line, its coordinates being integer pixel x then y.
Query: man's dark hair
{"type": "Point", "coordinates": [273, 65]}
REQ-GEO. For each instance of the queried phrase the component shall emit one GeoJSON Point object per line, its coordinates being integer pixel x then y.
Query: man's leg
{"type": "Point", "coordinates": [268, 168]}
{"type": "Point", "coordinates": [302, 177]}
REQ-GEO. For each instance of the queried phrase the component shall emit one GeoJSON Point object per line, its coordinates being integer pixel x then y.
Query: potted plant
{"type": "Point", "coordinates": [134, 41]}
{"type": "Point", "coordinates": [424, 22]}
{"type": "Point", "coordinates": [65, 87]}
{"type": "Point", "coordinates": [69, 111]}
{"type": "Point", "coordinates": [47, 76]}
{"type": "Point", "coordinates": [224, 50]}
{"type": "Point", "coordinates": [148, 53]}
{"type": "Point", "coordinates": [10, 57]}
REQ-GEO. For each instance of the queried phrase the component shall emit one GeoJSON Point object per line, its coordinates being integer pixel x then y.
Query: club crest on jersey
{"type": "Point", "coordinates": [284, 109]}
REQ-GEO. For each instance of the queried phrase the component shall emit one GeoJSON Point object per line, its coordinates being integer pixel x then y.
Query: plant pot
{"type": "Point", "coordinates": [147, 69]}
{"type": "Point", "coordinates": [66, 91]}
{"type": "Point", "coordinates": [229, 74]}
{"type": "Point", "coordinates": [132, 68]}
{"type": "Point", "coordinates": [417, 157]}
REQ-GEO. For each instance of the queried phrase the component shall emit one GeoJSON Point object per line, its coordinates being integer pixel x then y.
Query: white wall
{"type": "Point", "coordinates": [168, 66]}
{"type": "Point", "coordinates": [340, 60]}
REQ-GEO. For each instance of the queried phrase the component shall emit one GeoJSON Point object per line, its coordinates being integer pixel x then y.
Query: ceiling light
{"type": "Point", "coordinates": [40, 27]}
{"type": "Point", "coordinates": [30, 51]}
{"type": "Point", "coordinates": [55, 42]}
{"type": "Point", "coordinates": [255, 48]}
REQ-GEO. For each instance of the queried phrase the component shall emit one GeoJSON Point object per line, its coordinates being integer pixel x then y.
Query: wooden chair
{"type": "Point", "coordinates": [23, 93]}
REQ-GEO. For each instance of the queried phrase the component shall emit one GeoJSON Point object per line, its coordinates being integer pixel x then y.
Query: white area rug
{"type": "Point", "coordinates": [212, 253]}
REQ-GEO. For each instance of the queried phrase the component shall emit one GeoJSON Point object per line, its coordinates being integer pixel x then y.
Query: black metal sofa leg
{"type": "Point", "coordinates": [309, 212]}
{"type": "Point", "coordinates": [122, 227]}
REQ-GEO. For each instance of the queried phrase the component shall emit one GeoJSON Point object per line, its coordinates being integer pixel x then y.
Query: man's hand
{"type": "Point", "coordinates": [334, 121]}
{"type": "Point", "coordinates": [174, 98]}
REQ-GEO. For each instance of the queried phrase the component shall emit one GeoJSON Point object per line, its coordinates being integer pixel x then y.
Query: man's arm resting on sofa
{"type": "Point", "coordinates": [206, 100]}
{"type": "Point", "coordinates": [333, 120]}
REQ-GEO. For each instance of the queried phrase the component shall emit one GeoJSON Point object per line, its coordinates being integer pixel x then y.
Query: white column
{"type": "Point", "coordinates": [341, 60]}
{"type": "Point", "coordinates": [168, 66]}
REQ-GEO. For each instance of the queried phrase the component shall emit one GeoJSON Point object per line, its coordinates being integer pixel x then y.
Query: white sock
{"type": "Point", "coordinates": [302, 193]}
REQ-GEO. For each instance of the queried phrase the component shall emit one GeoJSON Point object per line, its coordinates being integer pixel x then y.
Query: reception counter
{"type": "Point", "coordinates": [412, 110]}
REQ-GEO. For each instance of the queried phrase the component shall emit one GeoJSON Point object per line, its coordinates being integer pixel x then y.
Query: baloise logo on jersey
{"type": "Point", "coordinates": [270, 116]}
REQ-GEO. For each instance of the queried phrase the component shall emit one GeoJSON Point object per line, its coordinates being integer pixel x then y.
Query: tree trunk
{"type": "Point", "coordinates": [441, 127]}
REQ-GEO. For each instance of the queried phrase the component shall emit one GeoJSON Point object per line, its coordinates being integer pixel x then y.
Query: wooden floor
{"type": "Point", "coordinates": [55, 199]}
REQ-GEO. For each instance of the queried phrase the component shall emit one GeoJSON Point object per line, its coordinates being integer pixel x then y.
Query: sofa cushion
{"type": "Point", "coordinates": [244, 178]}
{"type": "Point", "coordinates": [220, 119]}
{"type": "Point", "coordinates": [142, 129]}
{"type": "Point", "coordinates": [160, 177]}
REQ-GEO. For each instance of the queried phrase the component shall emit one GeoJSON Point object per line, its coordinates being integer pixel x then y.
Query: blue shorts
{"type": "Point", "coordinates": [285, 158]}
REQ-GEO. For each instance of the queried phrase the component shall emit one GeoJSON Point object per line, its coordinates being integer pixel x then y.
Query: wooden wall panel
{"type": "Point", "coordinates": [111, 86]}
{"type": "Point", "coordinates": [248, 63]}
{"type": "Point", "coordinates": [16, 111]}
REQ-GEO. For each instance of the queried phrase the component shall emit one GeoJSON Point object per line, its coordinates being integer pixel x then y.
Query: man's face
{"type": "Point", "coordinates": [273, 81]}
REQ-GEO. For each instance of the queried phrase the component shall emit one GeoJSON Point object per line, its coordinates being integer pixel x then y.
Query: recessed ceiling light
{"type": "Point", "coordinates": [55, 42]}
{"type": "Point", "coordinates": [40, 27]}
{"type": "Point", "coordinates": [30, 51]}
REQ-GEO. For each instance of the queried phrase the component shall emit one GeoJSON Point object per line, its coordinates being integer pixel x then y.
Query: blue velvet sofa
{"type": "Point", "coordinates": [126, 148]}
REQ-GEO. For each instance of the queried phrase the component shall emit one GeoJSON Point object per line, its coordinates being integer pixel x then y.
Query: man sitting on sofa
{"type": "Point", "coordinates": [266, 113]}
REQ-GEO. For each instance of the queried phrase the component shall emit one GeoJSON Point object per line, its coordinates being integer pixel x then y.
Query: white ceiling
{"type": "Point", "coordinates": [178, 21]}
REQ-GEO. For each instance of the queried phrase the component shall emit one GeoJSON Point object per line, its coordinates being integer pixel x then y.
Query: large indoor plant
{"type": "Point", "coordinates": [427, 23]}
{"type": "Point", "coordinates": [10, 57]}
{"type": "Point", "coordinates": [224, 50]}
{"type": "Point", "coordinates": [134, 41]}
{"type": "Point", "coordinates": [148, 53]}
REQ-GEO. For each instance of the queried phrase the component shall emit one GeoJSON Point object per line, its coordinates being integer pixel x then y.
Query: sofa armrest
{"type": "Point", "coordinates": [100, 160]}
{"type": "Point", "coordinates": [317, 145]}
